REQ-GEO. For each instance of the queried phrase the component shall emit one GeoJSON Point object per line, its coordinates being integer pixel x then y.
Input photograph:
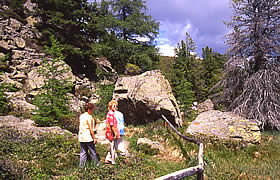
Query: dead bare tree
{"type": "Point", "coordinates": [255, 32]}
{"type": "Point", "coordinates": [260, 96]}
{"type": "Point", "coordinates": [252, 74]}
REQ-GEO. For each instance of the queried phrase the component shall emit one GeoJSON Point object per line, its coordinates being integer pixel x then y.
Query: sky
{"type": "Point", "coordinates": [202, 19]}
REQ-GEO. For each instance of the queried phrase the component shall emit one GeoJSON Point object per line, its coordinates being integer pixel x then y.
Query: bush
{"type": "Point", "coordinates": [57, 157]}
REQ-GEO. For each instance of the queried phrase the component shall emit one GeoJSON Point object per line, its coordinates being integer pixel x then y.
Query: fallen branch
{"type": "Point", "coordinates": [189, 171]}
{"type": "Point", "coordinates": [196, 141]}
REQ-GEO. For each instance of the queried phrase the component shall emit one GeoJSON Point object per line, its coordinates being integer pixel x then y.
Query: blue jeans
{"type": "Point", "coordinates": [85, 146]}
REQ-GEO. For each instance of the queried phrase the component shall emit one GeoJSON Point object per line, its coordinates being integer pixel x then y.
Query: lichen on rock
{"type": "Point", "coordinates": [225, 125]}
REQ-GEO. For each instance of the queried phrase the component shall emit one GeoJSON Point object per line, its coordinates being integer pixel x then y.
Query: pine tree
{"type": "Point", "coordinates": [131, 20]}
{"type": "Point", "coordinates": [76, 25]}
{"type": "Point", "coordinates": [190, 65]}
{"type": "Point", "coordinates": [52, 102]}
{"type": "Point", "coordinates": [127, 23]}
{"type": "Point", "coordinates": [4, 87]}
{"type": "Point", "coordinates": [4, 106]}
{"type": "Point", "coordinates": [255, 31]}
{"type": "Point", "coordinates": [180, 74]}
{"type": "Point", "coordinates": [212, 65]}
{"type": "Point", "coordinates": [110, 28]}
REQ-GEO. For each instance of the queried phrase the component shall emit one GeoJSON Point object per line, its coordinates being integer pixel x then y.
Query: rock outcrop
{"type": "Point", "coordinates": [225, 125]}
{"type": "Point", "coordinates": [144, 98]}
{"type": "Point", "coordinates": [24, 60]}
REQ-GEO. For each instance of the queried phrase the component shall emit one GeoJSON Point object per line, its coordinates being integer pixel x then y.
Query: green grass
{"type": "Point", "coordinates": [236, 161]}
{"type": "Point", "coordinates": [57, 157]}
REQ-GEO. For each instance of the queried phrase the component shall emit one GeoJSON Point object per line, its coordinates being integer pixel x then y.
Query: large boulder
{"type": "Point", "coordinates": [75, 104]}
{"type": "Point", "coordinates": [29, 5]}
{"type": "Point", "coordinates": [6, 79]}
{"type": "Point", "coordinates": [31, 21]}
{"type": "Point", "coordinates": [144, 98]}
{"type": "Point", "coordinates": [18, 39]}
{"type": "Point", "coordinates": [4, 45]}
{"type": "Point", "coordinates": [84, 87]}
{"type": "Point", "coordinates": [226, 126]}
{"type": "Point", "coordinates": [20, 42]}
{"type": "Point", "coordinates": [18, 54]}
{"type": "Point", "coordinates": [34, 81]}
{"type": "Point", "coordinates": [2, 55]}
{"type": "Point", "coordinates": [15, 24]}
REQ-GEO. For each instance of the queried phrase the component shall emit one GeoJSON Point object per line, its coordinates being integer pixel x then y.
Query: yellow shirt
{"type": "Point", "coordinates": [84, 132]}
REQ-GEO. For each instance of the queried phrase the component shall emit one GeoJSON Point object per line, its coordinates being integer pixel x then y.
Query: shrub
{"type": "Point", "coordinates": [23, 156]}
{"type": "Point", "coordinates": [4, 87]}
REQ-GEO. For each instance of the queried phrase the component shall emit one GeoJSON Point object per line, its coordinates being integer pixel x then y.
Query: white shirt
{"type": "Point", "coordinates": [84, 132]}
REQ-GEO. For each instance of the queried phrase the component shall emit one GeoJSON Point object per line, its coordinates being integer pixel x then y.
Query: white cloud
{"type": "Point", "coordinates": [166, 50]}
{"type": "Point", "coordinates": [172, 33]}
{"type": "Point", "coordinates": [202, 19]}
{"type": "Point", "coordinates": [143, 39]}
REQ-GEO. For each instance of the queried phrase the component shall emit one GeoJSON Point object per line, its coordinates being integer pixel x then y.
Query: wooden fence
{"type": "Point", "coordinates": [196, 170]}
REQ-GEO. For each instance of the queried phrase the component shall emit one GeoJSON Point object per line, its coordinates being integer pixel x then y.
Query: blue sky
{"type": "Point", "coordinates": [202, 19]}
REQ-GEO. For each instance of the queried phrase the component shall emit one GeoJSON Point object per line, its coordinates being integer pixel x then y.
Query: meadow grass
{"type": "Point", "coordinates": [231, 160]}
{"type": "Point", "coordinates": [57, 157]}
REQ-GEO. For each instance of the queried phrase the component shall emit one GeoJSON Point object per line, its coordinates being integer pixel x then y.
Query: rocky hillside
{"type": "Point", "coordinates": [22, 56]}
{"type": "Point", "coordinates": [23, 60]}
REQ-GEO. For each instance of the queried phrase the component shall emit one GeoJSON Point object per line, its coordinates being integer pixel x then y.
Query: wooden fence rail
{"type": "Point", "coordinates": [196, 170]}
